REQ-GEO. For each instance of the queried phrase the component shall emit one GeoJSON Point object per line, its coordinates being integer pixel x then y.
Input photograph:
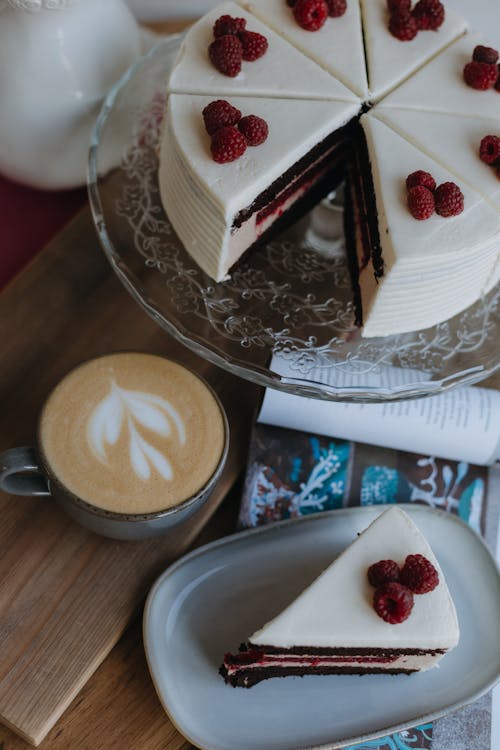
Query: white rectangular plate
{"type": "Point", "coordinates": [212, 599]}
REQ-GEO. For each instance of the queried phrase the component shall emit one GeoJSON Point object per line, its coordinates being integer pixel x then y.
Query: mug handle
{"type": "Point", "coordinates": [21, 473]}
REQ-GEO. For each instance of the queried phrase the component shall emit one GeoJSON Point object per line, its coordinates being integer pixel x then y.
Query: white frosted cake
{"type": "Point", "coordinates": [412, 267]}
{"type": "Point", "coordinates": [382, 606]}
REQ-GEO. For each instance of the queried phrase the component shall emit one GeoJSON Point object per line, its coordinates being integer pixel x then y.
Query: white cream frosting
{"type": "Point", "coordinates": [282, 71]}
{"type": "Point", "coordinates": [204, 196]}
{"type": "Point", "coordinates": [440, 87]}
{"type": "Point", "coordinates": [390, 60]}
{"type": "Point", "coordinates": [336, 609]}
{"type": "Point", "coordinates": [337, 46]}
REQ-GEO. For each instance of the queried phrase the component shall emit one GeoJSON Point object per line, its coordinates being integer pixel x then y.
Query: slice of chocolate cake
{"type": "Point", "coordinates": [382, 606]}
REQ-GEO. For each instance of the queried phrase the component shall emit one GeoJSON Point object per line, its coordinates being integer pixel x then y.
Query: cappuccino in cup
{"type": "Point", "coordinates": [132, 434]}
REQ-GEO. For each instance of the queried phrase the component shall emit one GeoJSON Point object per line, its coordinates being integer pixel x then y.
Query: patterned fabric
{"type": "Point", "coordinates": [292, 474]}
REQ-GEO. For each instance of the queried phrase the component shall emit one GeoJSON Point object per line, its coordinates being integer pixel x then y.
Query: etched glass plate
{"type": "Point", "coordinates": [285, 319]}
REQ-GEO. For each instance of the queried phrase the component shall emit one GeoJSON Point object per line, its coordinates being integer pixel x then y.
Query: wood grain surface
{"type": "Point", "coordinates": [66, 595]}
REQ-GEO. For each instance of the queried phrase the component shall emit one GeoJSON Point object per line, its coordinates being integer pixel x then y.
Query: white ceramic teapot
{"type": "Point", "coordinates": [58, 58]}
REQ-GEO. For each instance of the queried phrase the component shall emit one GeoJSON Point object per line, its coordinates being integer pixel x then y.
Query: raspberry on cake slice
{"type": "Point", "coordinates": [310, 14]}
{"type": "Point", "coordinates": [429, 15]}
{"type": "Point", "coordinates": [219, 114]}
{"type": "Point", "coordinates": [403, 25]}
{"type": "Point", "coordinates": [449, 199]}
{"type": "Point", "coordinates": [226, 54]}
{"type": "Point", "coordinates": [489, 150]}
{"type": "Point", "coordinates": [340, 625]}
{"type": "Point", "coordinates": [254, 128]}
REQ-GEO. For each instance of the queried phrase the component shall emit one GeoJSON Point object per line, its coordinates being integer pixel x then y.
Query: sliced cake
{"type": "Point", "coordinates": [382, 606]}
{"type": "Point", "coordinates": [220, 210]}
{"type": "Point", "coordinates": [337, 46]}
{"type": "Point", "coordinates": [413, 264]}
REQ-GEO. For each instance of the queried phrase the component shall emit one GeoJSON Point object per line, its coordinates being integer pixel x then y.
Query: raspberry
{"type": "Point", "coordinates": [229, 25]}
{"type": "Point", "coordinates": [419, 574]}
{"type": "Point", "coordinates": [420, 202]}
{"type": "Point", "coordinates": [485, 54]}
{"type": "Point", "coordinates": [393, 602]}
{"type": "Point", "coordinates": [383, 571]}
{"type": "Point", "coordinates": [218, 114]}
{"type": "Point", "coordinates": [226, 54]}
{"type": "Point", "coordinates": [489, 150]}
{"type": "Point", "coordinates": [421, 178]}
{"type": "Point", "coordinates": [449, 199]}
{"type": "Point", "coordinates": [254, 129]}
{"type": "Point", "coordinates": [394, 5]}
{"type": "Point", "coordinates": [429, 15]}
{"type": "Point", "coordinates": [228, 144]}
{"type": "Point", "coordinates": [481, 76]}
{"type": "Point", "coordinates": [254, 45]}
{"type": "Point", "coordinates": [336, 8]}
{"type": "Point", "coordinates": [403, 26]}
{"type": "Point", "coordinates": [310, 14]}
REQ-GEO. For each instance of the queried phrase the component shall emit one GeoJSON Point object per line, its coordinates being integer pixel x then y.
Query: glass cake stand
{"type": "Point", "coordinates": [285, 318]}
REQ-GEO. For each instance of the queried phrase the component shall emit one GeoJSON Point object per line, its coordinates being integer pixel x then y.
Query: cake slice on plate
{"type": "Point", "coordinates": [390, 60]}
{"type": "Point", "coordinates": [337, 46]}
{"type": "Point", "coordinates": [219, 210]}
{"type": "Point", "coordinates": [282, 71]}
{"type": "Point", "coordinates": [382, 606]}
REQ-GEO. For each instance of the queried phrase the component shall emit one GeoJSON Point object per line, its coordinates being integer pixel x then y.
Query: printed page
{"type": "Point", "coordinates": [462, 424]}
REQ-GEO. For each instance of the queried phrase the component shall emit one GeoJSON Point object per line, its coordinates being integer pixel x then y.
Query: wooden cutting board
{"type": "Point", "coordinates": [66, 595]}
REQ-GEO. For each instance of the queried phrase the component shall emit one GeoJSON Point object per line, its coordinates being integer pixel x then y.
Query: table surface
{"type": "Point", "coordinates": [118, 707]}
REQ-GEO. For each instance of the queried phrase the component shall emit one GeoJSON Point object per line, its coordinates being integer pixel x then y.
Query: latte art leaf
{"type": "Point", "coordinates": [141, 451]}
{"type": "Point", "coordinates": [134, 408]}
{"type": "Point", "coordinates": [105, 424]}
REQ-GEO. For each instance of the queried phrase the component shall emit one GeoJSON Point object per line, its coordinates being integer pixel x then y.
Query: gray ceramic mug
{"type": "Point", "coordinates": [27, 471]}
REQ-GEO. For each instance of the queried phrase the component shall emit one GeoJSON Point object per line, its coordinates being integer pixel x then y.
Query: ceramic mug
{"type": "Point", "coordinates": [130, 445]}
